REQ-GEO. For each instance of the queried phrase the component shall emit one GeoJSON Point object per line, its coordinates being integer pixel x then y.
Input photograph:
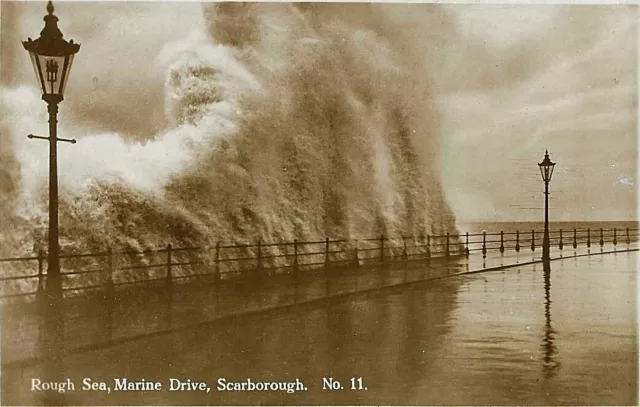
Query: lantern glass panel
{"type": "Point", "coordinates": [52, 72]}
{"type": "Point", "coordinates": [34, 63]}
{"type": "Point", "coordinates": [69, 62]}
{"type": "Point", "coordinates": [546, 171]}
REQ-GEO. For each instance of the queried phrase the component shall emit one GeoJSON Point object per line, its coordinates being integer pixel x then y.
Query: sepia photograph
{"type": "Point", "coordinates": [318, 203]}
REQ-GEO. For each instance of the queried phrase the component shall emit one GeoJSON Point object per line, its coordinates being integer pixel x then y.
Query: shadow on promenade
{"type": "Point", "coordinates": [35, 329]}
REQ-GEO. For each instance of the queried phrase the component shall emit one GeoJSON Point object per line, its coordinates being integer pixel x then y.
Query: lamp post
{"type": "Point", "coordinates": [52, 57]}
{"type": "Point", "coordinates": [546, 170]}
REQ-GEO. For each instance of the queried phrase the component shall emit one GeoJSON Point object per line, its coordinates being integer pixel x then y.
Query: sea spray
{"type": "Point", "coordinates": [289, 121]}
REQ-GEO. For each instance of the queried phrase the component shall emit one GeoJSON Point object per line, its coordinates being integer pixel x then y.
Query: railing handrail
{"type": "Point", "coordinates": [380, 248]}
{"type": "Point", "coordinates": [595, 233]}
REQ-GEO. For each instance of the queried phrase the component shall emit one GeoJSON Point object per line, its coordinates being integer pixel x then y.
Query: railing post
{"type": "Point", "coordinates": [169, 276]}
{"type": "Point", "coordinates": [560, 245]}
{"type": "Point", "coordinates": [109, 268]}
{"type": "Point", "coordinates": [601, 238]}
{"type": "Point", "coordinates": [533, 240]}
{"type": "Point", "coordinates": [405, 257]}
{"type": "Point", "coordinates": [216, 276]}
{"type": "Point", "coordinates": [467, 243]}
{"type": "Point", "coordinates": [628, 240]}
{"type": "Point", "coordinates": [295, 255]}
{"type": "Point", "coordinates": [326, 252]}
{"type": "Point", "coordinates": [428, 246]}
{"type": "Point", "coordinates": [109, 297]}
{"type": "Point", "coordinates": [382, 248]}
{"type": "Point", "coordinates": [501, 242]}
{"type": "Point", "coordinates": [484, 244]}
{"type": "Point", "coordinates": [356, 254]}
{"type": "Point", "coordinates": [259, 254]}
{"type": "Point", "coordinates": [40, 270]}
{"type": "Point", "coordinates": [447, 246]}
{"type": "Point", "coordinates": [575, 238]}
{"type": "Point", "coordinates": [615, 237]}
{"type": "Point", "coordinates": [588, 237]}
{"type": "Point", "coordinates": [517, 241]}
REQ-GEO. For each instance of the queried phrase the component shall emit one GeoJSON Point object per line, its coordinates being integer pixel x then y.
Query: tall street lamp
{"type": "Point", "coordinates": [546, 170]}
{"type": "Point", "coordinates": [52, 57]}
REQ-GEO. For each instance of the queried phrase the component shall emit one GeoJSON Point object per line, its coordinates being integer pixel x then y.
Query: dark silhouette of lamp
{"type": "Point", "coordinates": [546, 170]}
{"type": "Point", "coordinates": [52, 57]}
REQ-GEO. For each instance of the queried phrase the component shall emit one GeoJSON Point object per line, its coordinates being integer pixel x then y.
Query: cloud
{"type": "Point", "coordinates": [504, 25]}
{"type": "Point", "coordinates": [580, 102]}
{"type": "Point", "coordinates": [121, 88]}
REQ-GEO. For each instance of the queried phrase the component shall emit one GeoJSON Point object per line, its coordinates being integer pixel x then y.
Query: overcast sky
{"type": "Point", "coordinates": [510, 82]}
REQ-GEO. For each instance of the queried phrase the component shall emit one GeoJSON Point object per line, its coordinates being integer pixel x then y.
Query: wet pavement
{"type": "Point", "coordinates": [501, 337]}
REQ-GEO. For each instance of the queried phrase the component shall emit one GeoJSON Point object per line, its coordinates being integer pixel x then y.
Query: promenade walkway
{"type": "Point", "coordinates": [97, 321]}
{"type": "Point", "coordinates": [484, 338]}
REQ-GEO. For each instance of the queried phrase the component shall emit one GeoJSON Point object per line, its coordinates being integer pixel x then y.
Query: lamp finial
{"type": "Point", "coordinates": [50, 8]}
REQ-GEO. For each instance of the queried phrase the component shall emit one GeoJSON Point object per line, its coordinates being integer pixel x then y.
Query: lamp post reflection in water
{"type": "Point", "coordinates": [550, 365]}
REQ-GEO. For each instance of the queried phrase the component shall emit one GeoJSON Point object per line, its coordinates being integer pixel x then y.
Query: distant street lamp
{"type": "Point", "coordinates": [546, 170]}
{"type": "Point", "coordinates": [52, 57]}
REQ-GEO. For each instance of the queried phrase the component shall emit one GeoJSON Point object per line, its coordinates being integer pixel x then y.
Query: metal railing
{"type": "Point", "coordinates": [110, 269]}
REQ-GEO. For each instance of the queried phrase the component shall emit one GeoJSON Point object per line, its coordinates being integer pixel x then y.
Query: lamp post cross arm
{"type": "Point", "coordinates": [67, 140]}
